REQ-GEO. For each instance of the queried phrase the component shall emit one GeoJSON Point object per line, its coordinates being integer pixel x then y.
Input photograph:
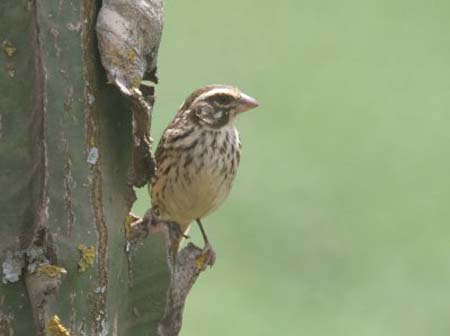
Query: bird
{"type": "Point", "coordinates": [197, 157]}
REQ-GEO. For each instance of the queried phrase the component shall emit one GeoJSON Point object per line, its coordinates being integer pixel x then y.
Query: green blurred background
{"type": "Point", "coordinates": [338, 223]}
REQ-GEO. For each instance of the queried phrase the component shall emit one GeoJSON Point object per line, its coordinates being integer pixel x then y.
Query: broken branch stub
{"type": "Point", "coordinates": [129, 34]}
{"type": "Point", "coordinates": [43, 282]}
{"type": "Point", "coordinates": [185, 272]}
{"type": "Point", "coordinates": [185, 266]}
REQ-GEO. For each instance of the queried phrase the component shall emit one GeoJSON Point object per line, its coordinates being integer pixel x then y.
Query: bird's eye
{"type": "Point", "coordinates": [223, 99]}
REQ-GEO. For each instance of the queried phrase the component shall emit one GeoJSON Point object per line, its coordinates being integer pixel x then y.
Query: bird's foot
{"type": "Point", "coordinates": [207, 258]}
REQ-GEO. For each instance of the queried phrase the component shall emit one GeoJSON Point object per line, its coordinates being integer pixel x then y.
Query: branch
{"type": "Point", "coordinates": [129, 33]}
{"type": "Point", "coordinates": [185, 266]}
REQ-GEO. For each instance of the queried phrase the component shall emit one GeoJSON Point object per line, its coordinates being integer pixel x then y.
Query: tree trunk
{"type": "Point", "coordinates": [71, 149]}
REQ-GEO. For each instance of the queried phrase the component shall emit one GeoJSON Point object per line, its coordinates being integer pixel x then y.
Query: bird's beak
{"type": "Point", "coordinates": [246, 103]}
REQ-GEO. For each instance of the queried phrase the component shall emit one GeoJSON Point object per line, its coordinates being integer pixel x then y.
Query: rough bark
{"type": "Point", "coordinates": [71, 149]}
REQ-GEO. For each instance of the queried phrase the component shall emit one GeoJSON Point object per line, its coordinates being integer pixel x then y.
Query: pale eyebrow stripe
{"type": "Point", "coordinates": [213, 92]}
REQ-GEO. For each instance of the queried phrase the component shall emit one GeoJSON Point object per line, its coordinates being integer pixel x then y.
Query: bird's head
{"type": "Point", "coordinates": [217, 105]}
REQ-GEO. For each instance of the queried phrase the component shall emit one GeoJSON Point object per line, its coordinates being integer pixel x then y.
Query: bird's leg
{"type": "Point", "coordinates": [205, 237]}
{"type": "Point", "coordinates": [208, 252]}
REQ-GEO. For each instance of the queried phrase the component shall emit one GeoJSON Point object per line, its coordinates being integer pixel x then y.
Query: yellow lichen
{"type": "Point", "coordinates": [51, 271]}
{"type": "Point", "coordinates": [200, 260]}
{"type": "Point", "coordinates": [131, 55]}
{"type": "Point", "coordinates": [87, 257]}
{"type": "Point", "coordinates": [128, 221]}
{"type": "Point", "coordinates": [135, 81]}
{"type": "Point", "coordinates": [92, 141]}
{"type": "Point", "coordinates": [9, 48]}
{"type": "Point", "coordinates": [55, 328]}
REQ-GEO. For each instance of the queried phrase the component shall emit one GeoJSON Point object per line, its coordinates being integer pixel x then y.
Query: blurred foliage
{"type": "Point", "coordinates": [338, 223]}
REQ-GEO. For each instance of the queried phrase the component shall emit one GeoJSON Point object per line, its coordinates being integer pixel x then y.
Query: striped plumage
{"type": "Point", "coordinates": [198, 155]}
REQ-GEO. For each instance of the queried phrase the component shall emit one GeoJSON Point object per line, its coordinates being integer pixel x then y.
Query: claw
{"type": "Point", "coordinates": [207, 258]}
